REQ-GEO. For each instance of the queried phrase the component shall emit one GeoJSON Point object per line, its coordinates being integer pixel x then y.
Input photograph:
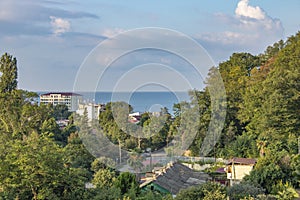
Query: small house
{"type": "Point", "coordinates": [238, 168]}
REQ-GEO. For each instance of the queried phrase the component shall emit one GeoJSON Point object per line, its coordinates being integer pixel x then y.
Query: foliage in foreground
{"type": "Point", "coordinates": [207, 191]}
{"type": "Point", "coordinates": [41, 161]}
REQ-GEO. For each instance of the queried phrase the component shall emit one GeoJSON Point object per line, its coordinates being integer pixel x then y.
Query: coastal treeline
{"type": "Point", "coordinates": [40, 160]}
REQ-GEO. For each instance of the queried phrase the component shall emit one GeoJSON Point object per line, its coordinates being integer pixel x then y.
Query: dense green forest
{"type": "Point", "coordinates": [41, 161]}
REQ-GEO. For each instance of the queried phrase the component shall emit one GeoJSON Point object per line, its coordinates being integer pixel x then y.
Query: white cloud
{"type": "Point", "coordinates": [227, 37]}
{"type": "Point", "coordinates": [243, 9]}
{"type": "Point", "coordinates": [250, 29]}
{"type": "Point", "coordinates": [11, 11]}
{"type": "Point", "coordinates": [59, 25]}
{"type": "Point", "coordinates": [5, 14]}
{"type": "Point", "coordinates": [112, 32]}
{"type": "Point", "coordinates": [255, 18]}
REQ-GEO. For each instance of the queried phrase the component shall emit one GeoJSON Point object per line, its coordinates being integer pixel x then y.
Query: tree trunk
{"type": "Point", "coordinates": [120, 150]}
{"type": "Point", "coordinates": [34, 193]}
{"type": "Point", "coordinates": [139, 142]}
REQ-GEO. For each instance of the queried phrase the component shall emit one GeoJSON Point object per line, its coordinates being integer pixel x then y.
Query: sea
{"type": "Point", "coordinates": [140, 101]}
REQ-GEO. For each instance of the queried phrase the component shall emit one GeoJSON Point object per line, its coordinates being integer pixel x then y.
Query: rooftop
{"type": "Point", "coordinates": [178, 176]}
{"type": "Point", "coordinates": [243, 161]}
{"type": "Point", "coordinates": [62, 93]}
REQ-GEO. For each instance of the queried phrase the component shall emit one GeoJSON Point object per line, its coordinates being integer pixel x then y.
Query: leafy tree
{"type": "Point", "coordinates": [111, 193]}
{"type": "Point", "coordinates": [114, 123]}
{"type": "Point", "coordinates": [151, 195]}
{"type": "Point", "coordinates": [102, 163]}
{"type": "Point", "coordinates": [9, 73]}
{"type": "Point", "coordinates": [51, 128]}
{"type": "Point", "coordinates": [109, 124]}
{"type": "Point", "coordinates": [74, 183]}
{"type": "Point", "coordinates": [61, 111]}
{"type": "Point", "coordinates": [272, 51]}
{"type": "Point", "coordinates": [277, 118]}
{"type": "Point", "coordinates": [135, 161]}
{"type": "Point", "coordinates": [104, 178]}
{"type": "Point", "coordinates": [286, 191]}
{"type": "Point", "coordinates": [82, 122]}
{"type": "Point", "coordinates": [76, 155]}
{"type": "Point", "coordinates": [207, 191]}
{"type": "Point", "coordinates": [271, 169]}
{"type": "Point", "coordinates": [243, 146]}
{"type": "Point", "coordinates": [201, 101]}
{"type": "Point", "coordinates": [64, 134]}
{"type": "Point", "coordinates": [144, 117]}
{"type": "Point", "coordinates": [125, 181]}
{"type": "Point", "coordinates": [240, 191]}
{"type": "Point", "coordinates": [254, 94]}
{"type": "Point", "coordinates": [19, 116]}
{"type": "Point", "coordinates": [33, 116]}
{"type": "Point", "coordinates": [33, 168]}
{"type": "Point", "coordinates": [234, 73]}
{"type": "Point", "coordinates": [262, 119]}
{"type": "Point", "coordinates": [295, 165]}
{"type": "Point", "coordinates": [156, 130]}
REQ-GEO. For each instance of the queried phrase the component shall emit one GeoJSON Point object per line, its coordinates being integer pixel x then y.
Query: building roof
{"type": "Point", "coordinates": [63, 93]}
{"type": "Point", "coordinates": [179, 176]}
{"type": "Point", "coordinates": [220, 170]}
{"type": "Point", "coordinates": [243, 161]}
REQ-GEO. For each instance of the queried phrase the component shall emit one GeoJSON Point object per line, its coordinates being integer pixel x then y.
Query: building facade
{"type": "Point", "coordinates": [72, 100]}
{"type": "Point", "coordinates": [238, 168]}
{"type": "Point", "coordinates": [93, 110]}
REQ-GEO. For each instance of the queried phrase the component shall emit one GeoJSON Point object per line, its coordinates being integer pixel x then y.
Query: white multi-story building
{"type": "Point", "coordinates": [93, 110]}
{"type": "Point", "coordinates": [70, 99]}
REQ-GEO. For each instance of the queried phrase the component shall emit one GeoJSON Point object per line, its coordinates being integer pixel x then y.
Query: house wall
{"type": "Point", "coordinates": [238, 172]}
{"type": "Point", "coordinates": [152, 186]}
{"type": "Point", "coordinates": [75, 100]}
{"type": "Point", "coordinates": [93, 110]}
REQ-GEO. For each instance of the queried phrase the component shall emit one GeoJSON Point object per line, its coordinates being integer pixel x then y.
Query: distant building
{"type": "Point", "coordinates": [62, 123]}
{"type": "Point", "coordinates": [238, 168]}
{"type": "Point", "coordinates": [134, 117]}
{"type": "Point", "coordinates": [70, 99]}
{"type": "Point", "coordinates": [93, 110]}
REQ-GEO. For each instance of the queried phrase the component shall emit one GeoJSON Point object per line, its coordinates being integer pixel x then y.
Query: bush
{"type": "Point", "coordinates": [206, 191]}
{"type": "Point", "coordinates": [243, 190]}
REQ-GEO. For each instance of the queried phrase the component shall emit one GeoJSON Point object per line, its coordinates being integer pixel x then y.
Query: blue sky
{"type": "Point", "coordinates": [51, 39]}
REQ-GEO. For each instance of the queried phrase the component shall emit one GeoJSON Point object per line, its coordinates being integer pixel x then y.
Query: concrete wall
{"type": "Point", "coordinates": [238, 172]}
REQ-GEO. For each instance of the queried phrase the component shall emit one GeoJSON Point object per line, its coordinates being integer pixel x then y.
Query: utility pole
{"type": "Point", "coordinates": [298, 145]}
{"type": "Point", "coordinates": [149, 151]}
{"type": "Point", "coordinates": [120, 151]}
{"type": "Point", "coordinates": [233, 170]}
{"type": "Point", "coordinates": [215, 148]}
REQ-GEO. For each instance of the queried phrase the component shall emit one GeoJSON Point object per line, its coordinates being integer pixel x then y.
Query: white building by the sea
{"type": "Point", "coordinates": [72, 100]}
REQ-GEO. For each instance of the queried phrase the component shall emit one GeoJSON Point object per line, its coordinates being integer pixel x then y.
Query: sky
{"type": "Point", "coordinates": [58, 43]}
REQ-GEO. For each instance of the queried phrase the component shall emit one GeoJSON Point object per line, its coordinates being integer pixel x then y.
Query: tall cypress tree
{"type": "Point", "coordinates": [8, 68]}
